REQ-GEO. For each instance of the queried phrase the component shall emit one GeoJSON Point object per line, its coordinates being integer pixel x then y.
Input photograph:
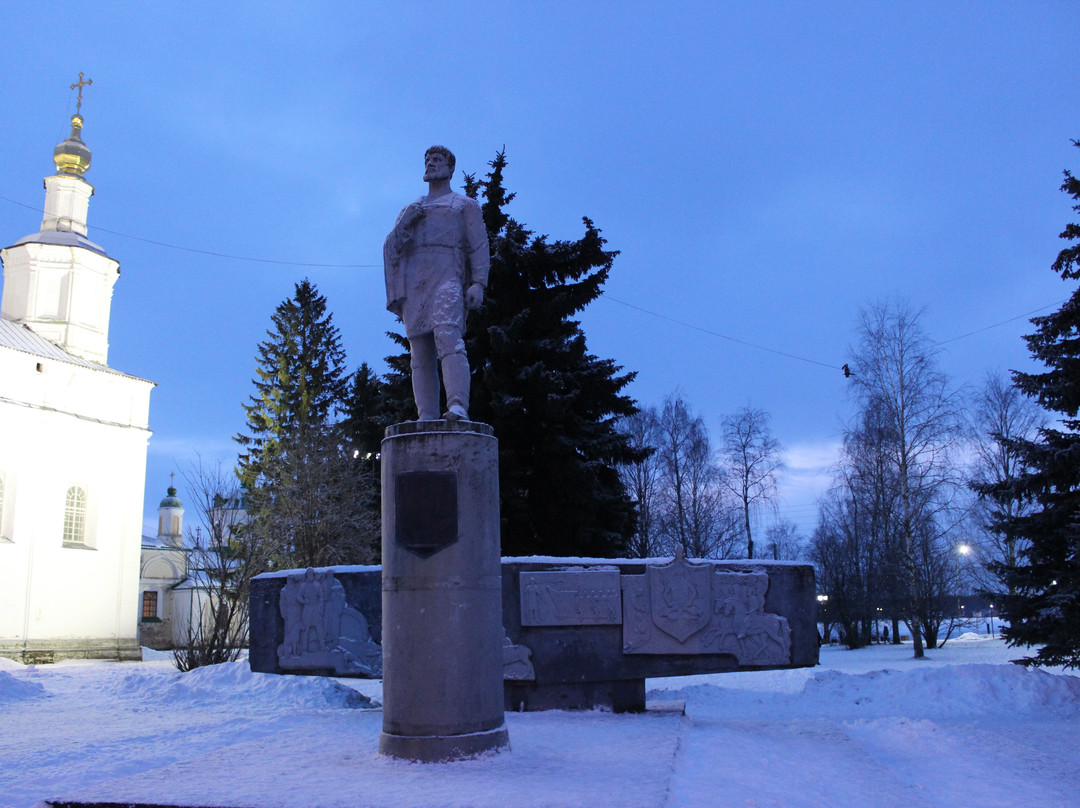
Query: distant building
{"type": "Point", "coordinates": [178, 577]}
{"type": "Point", "coordinates": [73, 437]}
{"type": "Point", "coordinates": [164, 566]}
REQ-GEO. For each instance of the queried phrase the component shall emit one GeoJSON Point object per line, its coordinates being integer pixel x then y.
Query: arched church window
{"type": "Point", "coordinates": [75, 516]}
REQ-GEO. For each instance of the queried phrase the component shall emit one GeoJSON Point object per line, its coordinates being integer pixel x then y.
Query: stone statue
{"type": "Point", "coordinates": [436, 262]}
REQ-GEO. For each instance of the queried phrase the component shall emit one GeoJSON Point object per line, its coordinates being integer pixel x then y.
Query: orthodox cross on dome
{"type": "Point", "coordinates": [171, 480]}
{"type": "Point", "coordinates": [80, 84]}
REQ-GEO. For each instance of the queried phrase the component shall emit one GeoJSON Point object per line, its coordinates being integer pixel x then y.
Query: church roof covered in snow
{"type": "Point", "coordinates": [22, 338]}
{"type": "Point", "coordinates": [65, 238]}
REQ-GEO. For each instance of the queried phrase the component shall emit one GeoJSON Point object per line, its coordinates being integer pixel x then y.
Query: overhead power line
{"type": "Point", "coordinates": [1003, 322]}
{"type": "Point", "coordinates": [240, 257]}
{"type": "Point", "coordinates": [844, 368]}
{"type": "Point", "coordinates": [718, 334]}
{"type": "Point", "coordinates": [209, 252]}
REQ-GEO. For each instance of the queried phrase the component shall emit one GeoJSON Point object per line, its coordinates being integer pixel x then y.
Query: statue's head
{"type": "Point", "coordinates": [439, 163]}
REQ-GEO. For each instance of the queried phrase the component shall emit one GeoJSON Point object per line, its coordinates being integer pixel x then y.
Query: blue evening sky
{"type": "Point", "coordinates": [765, 169]}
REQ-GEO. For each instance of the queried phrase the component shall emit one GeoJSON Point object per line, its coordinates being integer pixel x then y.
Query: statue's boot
{"type": "Point", "coordinates": [455, 373]}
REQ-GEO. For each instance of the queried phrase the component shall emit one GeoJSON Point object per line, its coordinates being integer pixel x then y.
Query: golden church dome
{"type": "Point", "coordinates": [72, 156]}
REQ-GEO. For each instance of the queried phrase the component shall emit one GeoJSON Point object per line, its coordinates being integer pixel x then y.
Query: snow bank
{"type": "Point", "coordinates": [234, 682]}
{"type": "Point", "coordinates": [153, 655]}
{"type": "Point", "coordinates": [971, 636]}
{"type": "Point", "coordinates": [12, 689]}
{"type": "Point", "coordinates": [589, 561]}
{"type": "Point", "coordinates": [957, 691]}
{"type": "Point", "coordinates": [340, 569]}
{"type": "Point", "coordinates": [10, 665]}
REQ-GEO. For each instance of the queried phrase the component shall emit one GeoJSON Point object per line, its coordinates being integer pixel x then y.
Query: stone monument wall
{"type": "Point", "coordinates": [597, 629]}
{"type": "Point", "coordinates": [583, 633]}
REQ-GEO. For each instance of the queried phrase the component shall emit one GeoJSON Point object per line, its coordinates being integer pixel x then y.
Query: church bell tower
{"type": "Point", "coordinates": [57, 281]}
{"type": "Point", "coordinates": [171, 520]}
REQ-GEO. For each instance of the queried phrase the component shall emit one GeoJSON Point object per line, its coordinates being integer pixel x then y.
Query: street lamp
{"type": "Point", "coordinates": [822, 602]}
{"type": "Point", "coordinates": [964, 550]}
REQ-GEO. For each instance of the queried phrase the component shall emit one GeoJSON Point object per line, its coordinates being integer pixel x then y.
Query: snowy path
{"type": "Point", "coordinates": [962, 729]}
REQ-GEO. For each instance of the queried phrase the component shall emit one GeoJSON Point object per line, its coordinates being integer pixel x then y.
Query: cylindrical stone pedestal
{"type": "Point", "coordinates": [442, 631]}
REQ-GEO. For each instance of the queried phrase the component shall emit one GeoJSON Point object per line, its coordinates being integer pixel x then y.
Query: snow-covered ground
{"type": "Point", "coordinates": [866, 728]}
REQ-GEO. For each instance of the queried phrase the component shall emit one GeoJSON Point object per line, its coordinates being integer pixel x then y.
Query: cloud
{"type": "Point", "coordinates": [807, 476]}
{"type": "Point", "coordinates": [812, 457]}
{"type": "Point", "coordinates": [183, 449]}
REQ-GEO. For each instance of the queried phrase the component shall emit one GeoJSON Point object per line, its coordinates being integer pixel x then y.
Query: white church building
{"type": "Point", "coordinates": [73, 439]}
{"type": "Point", "coordinates": [164, 620]}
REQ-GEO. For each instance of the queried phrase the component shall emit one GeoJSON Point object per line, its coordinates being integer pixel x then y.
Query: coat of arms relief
{"type": "Point", "coordinates": [684, 607]}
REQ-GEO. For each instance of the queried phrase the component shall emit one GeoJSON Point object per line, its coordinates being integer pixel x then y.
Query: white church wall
{"type": "Point", "coordinates": [64, 302]}
{"type": "Point", "coordinates": [15, 557]}
{"type": "Point", "coordinates": [162, 568]}
{"type": "Point", "coordinates": [73, 437]}
{"type": "Point", "coordinates": [83, 596]}
{"type": "Point", "coordinates": [191, 604]}
{"type": "Point", "coordinates": [67, 203]}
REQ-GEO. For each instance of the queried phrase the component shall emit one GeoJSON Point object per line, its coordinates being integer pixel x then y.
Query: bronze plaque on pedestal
{"type": "Point", "coordinates": [426, 511]}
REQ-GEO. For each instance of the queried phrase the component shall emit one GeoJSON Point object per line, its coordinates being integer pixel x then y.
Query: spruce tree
{"type": "Point", "coordinates": [300, 379]}
{"type": "Point", "coordinates": [553, 405]}
{"type": "Point", "coordinates": [367, 412]}
{"type": "Point", "coordinates": [304, 488]}
{"type": "Point", "coordinates": [1045, 610]}
{"type": "Point", "coordinates": [397, 392]}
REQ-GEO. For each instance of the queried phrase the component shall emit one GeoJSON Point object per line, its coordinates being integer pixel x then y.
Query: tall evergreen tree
{"type": "Point", "coordinates": [1045, 611]}
{"type": "Point", "coordinates": [1001, 415]}
{"type": "Point", "coordinates": [300, 380]}
{"type": "Point", "coordinates": [305, 489]}
{"type": "Point", "coordinates": [553, 405]}
{"type": "Point", "coordinates": [397, 392]}
{"type": "Point", "coordinates": [367, 412]}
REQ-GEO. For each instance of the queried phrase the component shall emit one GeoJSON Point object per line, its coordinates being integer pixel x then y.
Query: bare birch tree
{"type": "Point", "coordinates": [754, 461]}
{"type": "Point", "coordinates": [854, 546]}
{"type": "Point", "coordinates": [222, 558]}
{"type": "Point", "coordinates": [313, 503]}
{"type": "Point", "coordinates": [783, 542]}
{"type": "Point", "coordinates": [642, 479]}
{"type": "Point", "coordinates": [894, 367]}
{"type": "Point", "coordinates": [694, 514]}
{"type": "Point", "coordinates": [1002, 416]}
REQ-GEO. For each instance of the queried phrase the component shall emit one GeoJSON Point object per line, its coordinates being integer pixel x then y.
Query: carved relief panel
{"type": "Point", "coordinates": [692, 608]}
{"type": "Point", "coordinates": [579, 597]}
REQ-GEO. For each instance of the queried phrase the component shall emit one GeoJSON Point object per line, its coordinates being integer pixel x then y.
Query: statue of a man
{"type": "Point", "coordinates": [436, 261]}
